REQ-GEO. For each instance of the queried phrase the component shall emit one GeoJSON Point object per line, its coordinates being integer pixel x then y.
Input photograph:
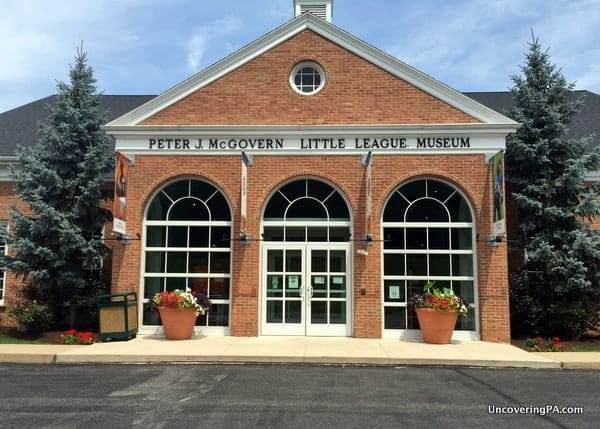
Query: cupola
{"type": "Point", "coordinates": [320, 8]}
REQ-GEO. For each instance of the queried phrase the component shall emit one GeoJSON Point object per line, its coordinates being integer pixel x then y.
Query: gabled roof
{"type": "Point", "coordinates": [329, 32]}
{"type": "Point", "coordinates": [19, 126]}
{"type": "Point", "coordinates": [586, 122]}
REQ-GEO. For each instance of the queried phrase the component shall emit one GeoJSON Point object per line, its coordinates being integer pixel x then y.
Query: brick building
{"type": "Point", "coordinates": [309, 184]}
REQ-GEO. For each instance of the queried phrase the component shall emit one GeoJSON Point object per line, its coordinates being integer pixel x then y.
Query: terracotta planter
{"type": "Point", "coordinates": [177, 324]}
{"type": "Point", "coordinates": [436, 326]}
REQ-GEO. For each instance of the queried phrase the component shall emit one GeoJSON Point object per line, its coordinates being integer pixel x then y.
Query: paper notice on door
{"type": "Point", "coordinates": [319, 280]}
{"type": "Point", "coordinates": [274, 282]}
{"type": "Point", "coordinates": [394, 292]}
{"type": "Point", "coordinates": [337, 280]}
{"type": "Point", "coordinates": [293, 282]}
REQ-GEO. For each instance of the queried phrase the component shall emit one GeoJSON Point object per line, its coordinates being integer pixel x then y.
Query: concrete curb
{"type": "Point", "coordinates": [325, 360]}
{"type": "Point", "coordinates": [574, 360]}
{"type": "Point", "coordinates": [300, 350]}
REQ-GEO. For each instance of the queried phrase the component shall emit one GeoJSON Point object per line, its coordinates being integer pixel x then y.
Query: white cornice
{"type": "Point", "coordinates": [120, 131]}
{"type": "Point", "coordinates": [5, 163]}
{"type": "Point", "coordinates": [330, 32]}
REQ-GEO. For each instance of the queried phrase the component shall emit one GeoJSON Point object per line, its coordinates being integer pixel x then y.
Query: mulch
{"type": "Point", "coordinates": [568, 344]}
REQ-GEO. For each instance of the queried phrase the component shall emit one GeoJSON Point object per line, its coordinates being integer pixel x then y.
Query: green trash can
{"type": "Point", "coordinates": [117, 316]}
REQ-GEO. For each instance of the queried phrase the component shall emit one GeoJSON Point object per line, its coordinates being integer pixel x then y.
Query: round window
{"type": "Point", "coordinates": [307, 78]}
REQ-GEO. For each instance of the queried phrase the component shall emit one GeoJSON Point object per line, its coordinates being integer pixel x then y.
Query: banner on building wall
{"type": "Point", "coordinates": [497, 163]}
{"type": "Point", "coordinates": [368, 190]}
{"type": "Point", "coordinates": [120, 204]}
{"type": "Point", "coordinates": [244, 190]}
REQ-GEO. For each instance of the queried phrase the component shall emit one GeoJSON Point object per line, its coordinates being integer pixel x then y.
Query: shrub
{"type": "Point", "coordinates": [31, 316]}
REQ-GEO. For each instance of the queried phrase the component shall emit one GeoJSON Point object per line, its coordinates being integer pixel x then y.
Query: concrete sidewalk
{"type": "Point", "coordinates": [315, 350]}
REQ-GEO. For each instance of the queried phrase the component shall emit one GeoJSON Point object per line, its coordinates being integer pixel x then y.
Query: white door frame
{"type": "Point", "coordinates": [305, 328]}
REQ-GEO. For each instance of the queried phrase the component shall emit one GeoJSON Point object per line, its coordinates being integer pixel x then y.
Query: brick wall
{"type": "Point", "coordinates": [356, 92]}
{"type": "Point", "coordinates": [12, 284]}
{"type": "Point", "coordinates": [347, 174]}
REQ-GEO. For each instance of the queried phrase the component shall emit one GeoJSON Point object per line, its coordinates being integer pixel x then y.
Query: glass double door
{"type": "Point", "coordinates": [306, 289]}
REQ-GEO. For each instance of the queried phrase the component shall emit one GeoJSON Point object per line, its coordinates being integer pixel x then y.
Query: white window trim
{"type": "Point", "coordinates": [313, 65]}
{"type": "Point", "coordinates": [198, 330]}
{"type": "Point", "coordinates": [3, 224]}
{"type": "Point", "coordinates": [415, 334]}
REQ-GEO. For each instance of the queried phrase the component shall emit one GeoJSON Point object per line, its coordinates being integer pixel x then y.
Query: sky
{"type": "Point", "coordinates": [148, 46]}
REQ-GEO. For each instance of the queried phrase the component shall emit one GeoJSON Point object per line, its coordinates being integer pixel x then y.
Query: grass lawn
{"type": "Point", "coordinates": [595, 348]}
{"type": "Point", "coordinates": [7, 339]}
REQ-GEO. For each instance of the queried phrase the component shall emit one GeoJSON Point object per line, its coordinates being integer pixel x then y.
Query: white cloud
{"type": "Point", "coordinates": [202, 38]}
{"type": "Point", "coordinates": [196, 50]}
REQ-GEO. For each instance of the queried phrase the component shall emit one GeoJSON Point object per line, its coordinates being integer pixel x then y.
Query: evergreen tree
{"type": "Point", "coordinates": [56, 245]}
{"type": "Point", "coordinates": [559, 286]}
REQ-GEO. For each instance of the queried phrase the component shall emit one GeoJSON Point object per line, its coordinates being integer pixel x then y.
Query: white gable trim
{"type": "Point", "coordinates": [335, 35]}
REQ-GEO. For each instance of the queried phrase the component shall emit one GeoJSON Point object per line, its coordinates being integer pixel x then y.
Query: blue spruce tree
{"type": "Point", "coordinates": [557, 291]}
{"type": "Point", "coordinates": [56, 245]}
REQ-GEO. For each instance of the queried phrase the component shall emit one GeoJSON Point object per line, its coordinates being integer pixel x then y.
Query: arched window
{"type": "Point", "coordinates": [187, 233]}
{"type": "Point", "coordinates": [306, 210]}
{"type": "Point", "coordinates": [428, 234]}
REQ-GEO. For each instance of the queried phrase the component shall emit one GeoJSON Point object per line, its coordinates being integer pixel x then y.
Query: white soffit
{"type": "Point", "coordinates": [334, 34]}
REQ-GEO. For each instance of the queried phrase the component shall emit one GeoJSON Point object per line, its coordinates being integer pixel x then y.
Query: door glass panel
{"type": "Point", "coordinates": [274, 311]}
{"type": "Point", "coordinates": [318, 261]}
{"type": "Point", "coordinates": [274, 285]}
{"type": "Point", "coordinates": [318, 312]}
{"type": "Point", "coordinates": [337, 286]}
{"type": "Point", "coordinates": [275, 260]}
{"type": "Point", "coordinates": [319, 285]}
{"type": "Point", "coordinates": [337, 312]}
{"type": "Point", "coordinates": [293, 261]}
{"type": "Point", "coordinates": [293, 312]}
{"type": "Point", "coordinates": [337, 261]}
{"type": "Point", "coordinates": [293, 284]}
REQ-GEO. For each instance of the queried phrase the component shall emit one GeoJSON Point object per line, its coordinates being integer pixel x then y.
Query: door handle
{"type": "Point", "coordinates": [310, 291]}
{"type": "Point", "coordinates": [301, 291]}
